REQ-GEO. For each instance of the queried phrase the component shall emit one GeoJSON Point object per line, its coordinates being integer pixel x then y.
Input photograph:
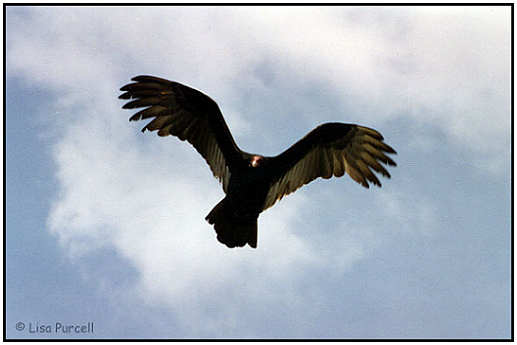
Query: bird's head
{"type": "Point", "coordinates": [255, 161]}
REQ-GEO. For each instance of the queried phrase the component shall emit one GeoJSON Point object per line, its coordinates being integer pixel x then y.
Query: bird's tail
{"type": "Point", "coordinates": [232, 231]}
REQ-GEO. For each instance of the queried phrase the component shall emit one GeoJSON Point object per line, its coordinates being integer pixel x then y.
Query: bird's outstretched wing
{"type": "Point", "coordinates": [330, 150]}
{"type": "Point", "coordinates": [179, 110]}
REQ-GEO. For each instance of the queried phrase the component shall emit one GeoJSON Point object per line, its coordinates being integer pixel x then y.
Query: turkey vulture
{"type": "Point", "coordinates": [252, 182]}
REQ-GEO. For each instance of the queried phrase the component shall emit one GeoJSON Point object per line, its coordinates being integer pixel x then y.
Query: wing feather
{"type": "Point", "coordinates": [339, 169]}
{"type": "Point", "coordinates": [149, 112]}
{"type": "Point", "coordinates": [188, 114]}
{"type": "Point", "coordinates": [331, 149]}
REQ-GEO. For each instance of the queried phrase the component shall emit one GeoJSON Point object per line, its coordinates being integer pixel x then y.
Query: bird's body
{"type": "Point", "coordinates": [252, 182]}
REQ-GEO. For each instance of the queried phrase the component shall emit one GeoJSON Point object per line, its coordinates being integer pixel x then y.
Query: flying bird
{"type": "Point", "coordinates": [252, 182]}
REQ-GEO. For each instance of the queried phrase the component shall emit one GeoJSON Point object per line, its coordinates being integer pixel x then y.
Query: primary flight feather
{"type": "Point", "coordinates": [252, 182]}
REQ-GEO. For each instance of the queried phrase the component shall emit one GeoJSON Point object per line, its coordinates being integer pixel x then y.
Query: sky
{"type": "Point", "coordinates": [105, 224]}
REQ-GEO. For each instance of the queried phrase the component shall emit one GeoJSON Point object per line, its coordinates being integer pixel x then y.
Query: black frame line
{"type": "Point", "coordinates": [509, 4]}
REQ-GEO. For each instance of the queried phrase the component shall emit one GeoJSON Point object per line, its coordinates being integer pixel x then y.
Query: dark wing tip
{"type": "Point", "coordinates": [150, 78]}
{"type": "Point", "coordinates": [135, 117]}
{"type": "Point", "coordinates": [389, 161]}
{"type": "Point", "coordinates": [367, 186]}
{"type": "Point", "coordinates": [389, 149]}
{"type": "Point", "coordinates": [127, 106]}
{"type": "Point", "coordinates": [143, 79]}
{"type": "Point", "coordinates": [127, 87]}
{"type": "Point", "coordinates": [126, 95]}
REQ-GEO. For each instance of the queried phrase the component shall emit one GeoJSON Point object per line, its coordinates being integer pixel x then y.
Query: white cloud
{"type": "Point", "coordinates": [147, 197]}
{"type": "Point", "coordinates": [422, 218]}
{"type": "Point", "coordinates": [446, 67]}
